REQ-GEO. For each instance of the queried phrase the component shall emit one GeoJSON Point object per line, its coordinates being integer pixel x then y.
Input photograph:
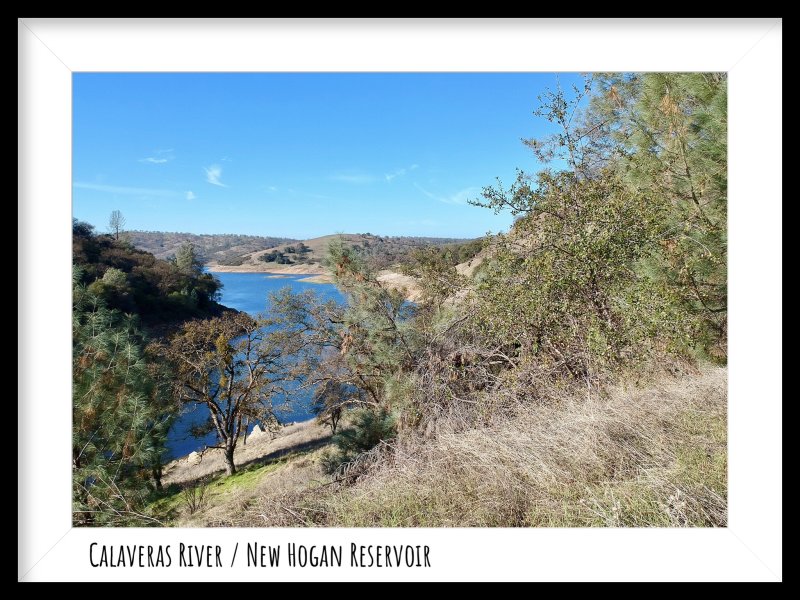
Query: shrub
{"type": "Point", "coordinates": [368, 428]}
{"type": "Point", "coordinates": [195, 497]}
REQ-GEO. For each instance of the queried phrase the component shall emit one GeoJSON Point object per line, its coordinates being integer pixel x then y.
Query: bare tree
{"type": "Point", "coordinates": [116, 223]}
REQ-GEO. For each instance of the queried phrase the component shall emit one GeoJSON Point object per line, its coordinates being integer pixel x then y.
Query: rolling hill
{"type": "Point", "coordinates": [305, 257]}
{"type": "Point", "coordinates": [224, 249]}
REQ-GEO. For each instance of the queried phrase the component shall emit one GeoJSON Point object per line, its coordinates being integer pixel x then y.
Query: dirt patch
{"type": "Point", "coordinates": [271, 268]}
{"type": "Point", "coordinates": [297, 437]}
{"type": "Point", "coordinates": [467, 269]}
{"type": "Point", "coordinates": [317, 279]}
{"type": "Point", "coordinates": [406, 283]}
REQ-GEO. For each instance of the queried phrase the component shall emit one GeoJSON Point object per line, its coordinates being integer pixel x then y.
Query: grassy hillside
{"type": "Point", "coordinates": [306, 256]}
{"type": "Point", "coordinates": [217, 248]}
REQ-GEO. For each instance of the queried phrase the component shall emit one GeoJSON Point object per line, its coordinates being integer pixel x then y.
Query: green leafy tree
{"type": "Point", "coordinates": [563, 286]}
{"type": "Point", "coordinates": [665, 136]}
{"type": "Point", "coordinates": [621, 246]}
{"type": "Point", "coordinates": [570, 283]}
{"type": "Point", "coordinates": [188, 260]}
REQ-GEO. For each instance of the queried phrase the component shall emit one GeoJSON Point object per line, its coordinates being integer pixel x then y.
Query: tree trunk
{"type": "Point", "coordinates": [157, 475]}
{"type": "Point", "coordinates": [230, 467]}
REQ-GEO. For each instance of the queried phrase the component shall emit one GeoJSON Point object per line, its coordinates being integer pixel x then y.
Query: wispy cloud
{"type": "Point", "coordinates": [272, 188]}
{"type": "Point", "coordinates": [159, 157]}
{"type": "Point", "coordinates": [125, 190]}
{"type": "Point", "coordinates": [400, 172]}
{"type": "Point", "coordinates": [214, 175]}
{"type": "Point", "coordinates": [354, 178]}
{"type": "Point", "coordinates": [302, 194]}
{"type": "Point", "coordinates": [190, 195]}
{"type": "Point", "coordinates": [460, 197]}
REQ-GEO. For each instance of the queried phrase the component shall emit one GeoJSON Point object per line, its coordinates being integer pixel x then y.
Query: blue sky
{"type": "Point", "coordinates": [301, 154]}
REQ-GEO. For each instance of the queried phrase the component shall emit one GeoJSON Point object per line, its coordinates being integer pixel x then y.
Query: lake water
{"type": "Point", "coordinates": [247, 292]}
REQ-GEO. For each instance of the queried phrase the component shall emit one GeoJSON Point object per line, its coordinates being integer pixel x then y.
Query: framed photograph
{"type": "Point", "coordinates": [505, 312]}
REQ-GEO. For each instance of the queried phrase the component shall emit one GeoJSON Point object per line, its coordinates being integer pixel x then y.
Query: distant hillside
{"type": "Point", "coordinates": [223, 249]}
{"type": "Point", "coordinates": [306, 256]}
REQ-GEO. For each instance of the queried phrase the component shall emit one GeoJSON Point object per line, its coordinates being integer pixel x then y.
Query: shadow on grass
{"type": "Point", "coordinates": [263, 461]}
{"type": "Point", "coordinates": [277, 455]}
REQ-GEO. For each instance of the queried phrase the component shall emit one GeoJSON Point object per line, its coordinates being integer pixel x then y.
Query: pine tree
{"type": "Point", "coordinates": [670, 130]}
{"type": "Point", "coordinates": [188, 260]}
{"type": "Point", "coordinates": [120, 416]}
{"type": "Point", "coordinates": [350, 354]}
{"type": "Point", "coordinates": [377, 330]}
{"type": "Point", "coordinates": [631, 214]}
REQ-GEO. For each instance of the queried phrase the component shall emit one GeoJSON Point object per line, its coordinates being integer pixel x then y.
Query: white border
{"type": "Point", "coordinates": [750, 50]}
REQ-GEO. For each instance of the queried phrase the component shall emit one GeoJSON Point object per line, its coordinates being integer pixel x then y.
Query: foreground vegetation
{"type": "Point", "coordinates": [643, 454]}
{"type": "Point", "coordinates": [122, 404]}
{"type": "Point", "coordinates": [653, 456]}
{"type": "Point", "coordinates": [575, 378]}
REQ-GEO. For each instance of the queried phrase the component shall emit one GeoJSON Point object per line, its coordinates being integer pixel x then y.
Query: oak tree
{"type": "Point", "coordinates": [234, 365]}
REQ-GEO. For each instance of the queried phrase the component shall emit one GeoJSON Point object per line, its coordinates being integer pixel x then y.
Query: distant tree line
{"type": "Point", "coordinates": [297, 251]}
{"type": "Point", "coordinates": [221, 248]}
{"type": "Point", "coordinates": [383, 252]}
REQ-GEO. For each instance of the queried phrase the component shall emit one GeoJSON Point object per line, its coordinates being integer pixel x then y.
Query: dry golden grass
{"type": "Point", "coordinates": [630, 458]}
{"type": "Point", "coordinates": [410, 286]}
{"type": "Point", "coordinates": [318, 249]}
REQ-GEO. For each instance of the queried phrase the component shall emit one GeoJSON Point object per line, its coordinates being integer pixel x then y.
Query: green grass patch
{"type": "Point", "coordinates": [165, 505]}
{"type": "Point", "coordinates": [170, 504]}
{"type": "Point", "coordinates": [245, 478]}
